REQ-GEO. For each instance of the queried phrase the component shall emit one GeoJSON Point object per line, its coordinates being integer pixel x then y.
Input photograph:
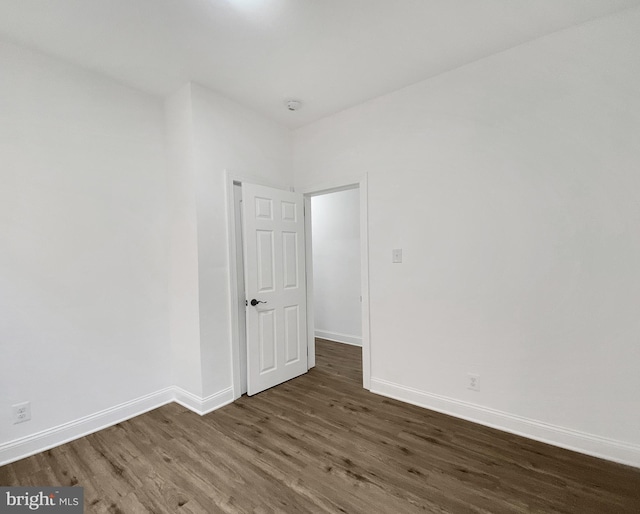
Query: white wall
{"type": "Point", "coordinates": [83, 243]}
{"type": "Point", "coordinates": [227, 136]}
{"type": "Point", "coordinates": [512, 186]}
{"type": "Point", "coordinates": [183, 244]}
{"type": "Point", "coordinates": [335, 220]}
{"type": "Point", "coordinates": [215, 134]}
{"type": "Point", "coordinates": [114, 276]}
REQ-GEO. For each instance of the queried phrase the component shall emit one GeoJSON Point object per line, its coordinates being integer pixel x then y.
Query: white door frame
{"type": "Point", "coordinates": [333, 187]}
{"type": "Point", "coordinates": [234, 294]}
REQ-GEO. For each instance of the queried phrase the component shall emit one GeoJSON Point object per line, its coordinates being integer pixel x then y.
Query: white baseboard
{"type": "Point", "coordinates": [596, 446]}
{"type": "Point", "coordinates": [201, 405]}
{"type": "Point", "coordinates": [47, 439]}
{"type": "Point", "coordinates": [35, 443]}
{"type": "Point", "coordinates": [617, 451]}
{"type": "Point", "coordinates": [339, 338]}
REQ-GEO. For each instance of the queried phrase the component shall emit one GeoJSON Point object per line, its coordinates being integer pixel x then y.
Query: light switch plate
{"type": "Point", "coordinates": [396, 255]}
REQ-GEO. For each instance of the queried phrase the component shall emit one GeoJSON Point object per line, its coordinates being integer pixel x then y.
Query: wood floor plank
{"type": "Point", "coordinates": [321, 443]}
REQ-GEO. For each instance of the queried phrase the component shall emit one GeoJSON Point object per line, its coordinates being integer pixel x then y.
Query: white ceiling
{"type": "Point", "coordinates": [331, 54]}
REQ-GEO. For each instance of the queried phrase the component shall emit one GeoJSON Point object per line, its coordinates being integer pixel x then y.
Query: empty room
{"type": "Point", "coordinates": [364, 256]}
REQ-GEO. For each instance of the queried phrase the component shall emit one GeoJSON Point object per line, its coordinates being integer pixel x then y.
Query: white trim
{"type": "Point", "coordinates": [364, 281]}
{"type": "Point", "coordinates": [339, 338]}
{"type": "Point", "coordinates": [51, 437]}
{"type": "Point", "coordinates": [233, 286]}
{"type": "Point", "coordinates": [308, 267]}
{"type": "Point", "coordinates": [582, 442]}
{"type": "Point", "coordinates": [46, 439]}
{"type": "Point", "coordinates": [258, 181]}
{"type": "Point", "coordinates": [332, 186]}
{"type": "Point", "coordinates": [201, 405]}
{"type": "Point", "coordinates": [342, 184]}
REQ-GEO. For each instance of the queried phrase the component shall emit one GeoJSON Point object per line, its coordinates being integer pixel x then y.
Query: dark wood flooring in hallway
{"type": "Point", "coordinates": [321, 443]}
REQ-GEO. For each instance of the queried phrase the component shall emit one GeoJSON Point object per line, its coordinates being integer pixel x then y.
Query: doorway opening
{"type": "Point", "coordinates": [360, 185]}
{"type": "Point", "coordinates": [335, 256]}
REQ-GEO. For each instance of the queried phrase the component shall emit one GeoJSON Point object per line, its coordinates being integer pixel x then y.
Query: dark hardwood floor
{"type": "Point", "coordinates": [320, 443]}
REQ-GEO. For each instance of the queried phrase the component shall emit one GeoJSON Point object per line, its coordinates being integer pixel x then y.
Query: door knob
{"type": "Point", "coordinates": [255, 302]}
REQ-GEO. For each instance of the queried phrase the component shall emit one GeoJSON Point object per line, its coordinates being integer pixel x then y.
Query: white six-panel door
{"type": "Point", "coordinates": [274, 264]}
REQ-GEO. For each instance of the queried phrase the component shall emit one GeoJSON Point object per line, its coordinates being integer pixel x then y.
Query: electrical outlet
{"type": "Point", "coordinates": [21, 412]}
{"type": "Point", "coordinates": [473, 381]}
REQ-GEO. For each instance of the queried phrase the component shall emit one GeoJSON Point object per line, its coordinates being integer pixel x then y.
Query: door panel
{"type": "Point", "coordinates": [290, 263]}
{"type": "Point", "coordinates": [267, 335]}
{"type": "Point", "coordinates": [266, 261]}
{"type": "Point", "coordinates": [291, 334]}
{"type": "Point", "coordinates": [274, 260]}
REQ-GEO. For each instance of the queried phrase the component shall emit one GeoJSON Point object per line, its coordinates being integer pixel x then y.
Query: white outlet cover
{"type": "Point", "coordinates": [21, 412]}
{"type": "Point", "coordinates": [473, 381]}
